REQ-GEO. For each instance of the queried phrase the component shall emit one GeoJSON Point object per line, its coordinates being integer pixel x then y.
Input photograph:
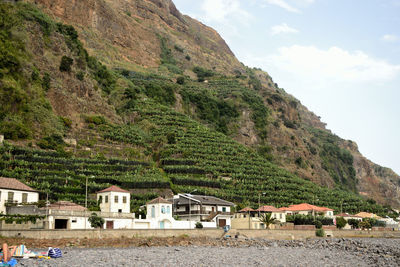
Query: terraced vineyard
{"type": "Point", "coordinates": [64, 178]}
{"type": "Point", "coordinates": [197, 158]}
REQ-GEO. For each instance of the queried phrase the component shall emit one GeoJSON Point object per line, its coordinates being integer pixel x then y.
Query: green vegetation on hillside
{"type": "Point", "coordinates": [181, 151]}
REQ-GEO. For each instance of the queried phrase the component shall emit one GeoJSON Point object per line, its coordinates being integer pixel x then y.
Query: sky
{"type": "Point", "coordinates": [340, 58]}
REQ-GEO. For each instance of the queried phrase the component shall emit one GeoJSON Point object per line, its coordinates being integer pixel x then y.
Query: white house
{"type": "Point", "coordinates": [114, 199]}
{"type": "Point", "coordinates": [68, 215]}
{"type": "Point", "coordinates": [211, 211]}
{"type": "Point", "coordinates": [308, 209]}
{"type": "Point", "coordinates": [347, 217]}
{"type": "Point", "coordinates": [13, 191]}
{"type": "Point", "coordinates": [159, 216]}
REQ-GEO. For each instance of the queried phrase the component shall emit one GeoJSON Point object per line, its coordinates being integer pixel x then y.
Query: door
{"type": "Point", "coordinates": [161, 225]}
{"type": "Point", "coordinates": [110, 225]}
{"type": "Point", "coordinates": [221, 222]}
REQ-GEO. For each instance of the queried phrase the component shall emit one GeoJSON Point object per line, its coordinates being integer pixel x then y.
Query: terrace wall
{"type": "Point", "coordinates": [212, 233]}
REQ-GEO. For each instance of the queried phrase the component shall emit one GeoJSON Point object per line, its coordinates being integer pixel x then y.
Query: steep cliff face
{"type": "Point", "coordinates": [128, 34]}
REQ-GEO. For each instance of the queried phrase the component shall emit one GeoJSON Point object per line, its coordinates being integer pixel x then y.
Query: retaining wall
{"type": "Point", "coordinates": [212, 233]}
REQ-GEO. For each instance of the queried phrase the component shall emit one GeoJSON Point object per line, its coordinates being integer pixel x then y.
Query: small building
{"type": "Point", "coordinates": [277, 214]}
{"type": "Point", "coordinates": [203, 209]}
{"type": "Point", "coordinates": [114, 199]}
{"type": "Point", "coordinates": [249, 218]}
{"type": "Point", "coordinates": [308, 209]}
{"type": "Point", "coordinates": [13, 192]}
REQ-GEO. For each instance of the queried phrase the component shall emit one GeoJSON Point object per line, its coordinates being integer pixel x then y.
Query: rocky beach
{"type": "Point", "coordinates": [185, 251]}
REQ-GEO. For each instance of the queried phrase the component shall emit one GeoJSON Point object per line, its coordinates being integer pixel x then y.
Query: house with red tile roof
{"type": "Point", "coordinates": [114, 199]}
{"type": "Point", "coordinates": [308, 209]}
{"type": "Point", "coordinates": [13, 191]}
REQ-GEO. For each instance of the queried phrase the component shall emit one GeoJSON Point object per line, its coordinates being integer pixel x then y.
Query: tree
{"type": "Point", "coordinates": [266, 218]}
{"type": "Point", "coordinates": [96, 221]}
{"type": "Point", "coordinates": [354, 223]}
{"type": "Point", "coordinates": [340, 222]}
{"type": "Point", "coordinates": [66, 63]}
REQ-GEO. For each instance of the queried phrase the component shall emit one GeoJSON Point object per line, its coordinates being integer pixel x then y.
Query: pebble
{"type": "Point", "coordinates": [255, 252]}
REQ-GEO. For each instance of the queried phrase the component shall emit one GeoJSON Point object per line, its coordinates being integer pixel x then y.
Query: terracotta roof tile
{"type": "Point", "coordinates": [306, 207]}
{"type": "Point", "coordinates": [66, 205]}
{"type": "Point", "coordinates": [12, 183]}
{"type": "Point", "coordinates": [159, 200]}
{"type": "Point", "coordinates": [269, 209]}
{"type": "Point", "coordinates": [247, 209]}
{"type": "Point", "coordinates": [114, 188]}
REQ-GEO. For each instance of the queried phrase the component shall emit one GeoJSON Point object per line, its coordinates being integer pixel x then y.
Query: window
{"type": "Point", "coordinates": [74, 220]}
{"type": "Point", "coordinates": [106, 199]}
{"type": "Point", "coordinates": [24, 197]}
{"type": "Point", "coordinates": [280, 216]}
{"type": "Point", "coordinates": [100, 199]}
{"type": "Point", "coordinates": [153, 212]}
{"type": "Point", "coordinates": [223, 209]}
{"type": "Point", "coordinates": [168, 210]}
{"type": "Point", "coordinates": [116, 199]}
{"type": "Point", "coordinates": [119, 210]}
{"type": "Point", "coordinates": [10, 196]}
{"type": "Point", "coordinates": [162, 209]}
{"type": "Point", "coordinates": [124, 199]}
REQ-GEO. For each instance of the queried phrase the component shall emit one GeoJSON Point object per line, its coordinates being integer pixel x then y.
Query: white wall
{"type": "Point", "coordinates": [111, 206]}
{"type": "Point", "coordinates": [32, 197]}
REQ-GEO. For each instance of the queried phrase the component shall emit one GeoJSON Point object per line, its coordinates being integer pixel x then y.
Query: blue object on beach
{"type": "Point", "coordinates": [11, 263]}
{"type": "Point", "coordinates": [54, 253]}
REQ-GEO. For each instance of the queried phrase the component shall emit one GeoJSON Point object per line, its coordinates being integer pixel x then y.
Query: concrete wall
{"type": "Point", "coordinates": [32, 197]}
{"type": "Point", "coordinates": [212, 233]}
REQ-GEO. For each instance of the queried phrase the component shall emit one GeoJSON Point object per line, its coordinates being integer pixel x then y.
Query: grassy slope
{"type": "Point", "coordinates": [178, 152]}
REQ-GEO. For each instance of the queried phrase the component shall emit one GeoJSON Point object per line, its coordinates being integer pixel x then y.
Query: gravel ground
{"type": "Point", "coordinates": [314, 252]}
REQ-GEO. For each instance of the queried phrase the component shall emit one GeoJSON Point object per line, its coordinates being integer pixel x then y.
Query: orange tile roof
{"type": "Point", "coordinates": [269, 209]}
{"type": "Point", "coordinates": [66, 205]}
{"type": "Point", "coordinates": [12, 183]}
{"type": "Point", "coordinates": [247, 209]}
{"type": "Point", "coordinates": [305, 207]}
{"type": "Point", "coordinates": [159, 200]}
{"type": "Point", "coordinates": [114, 188]}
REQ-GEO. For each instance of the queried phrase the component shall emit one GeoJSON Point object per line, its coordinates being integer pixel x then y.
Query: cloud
{"type": "Point", "coordinates": [390, 38]}
{"type": "Point", "coordinates": [283, 4]}
{"type": "Point", "coordinates": [219, 10]}
{"type": "Point", "coordinates": [282, 28]}
{"type": "Point", "coordinates": [318, 67]}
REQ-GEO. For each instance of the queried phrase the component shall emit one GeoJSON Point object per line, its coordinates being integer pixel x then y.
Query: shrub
{"type": "Point", "coordinates": [187, 58]}
{"type": "Point", "coordinates": [46, 81]}
{"type": "Point", "coordinates": [340, 222]}
{"type": "Point", "coordinates": [202, 73]}
{"type": "Point", "coordinates": [180, 80]}
{"type": "Point", "coordinates": [354, 223]}
{"type": "Point", "coordinates": [96, 221]}
{"type": "Point", "coordinates": [51, 142]}
{"type": "Point", "coordinates": [80, 75]}
{"type": "Point", "coordinates": [320, 232]}
{"type": "Point", "coordinates": [318, 224]}
{"type": "Point", "coordinates": [199, 225]}
{"type": "Point", "coordinates": [66, 63]}
{"type": "Point", "coordinates": [95, 119]}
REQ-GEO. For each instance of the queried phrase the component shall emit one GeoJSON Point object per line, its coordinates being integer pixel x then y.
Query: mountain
{"type": "Point", "coordinates": [138, 81]}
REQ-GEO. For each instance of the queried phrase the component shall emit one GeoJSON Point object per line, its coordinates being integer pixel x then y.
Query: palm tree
{"type": "Point", "coordinates": [266, 218]}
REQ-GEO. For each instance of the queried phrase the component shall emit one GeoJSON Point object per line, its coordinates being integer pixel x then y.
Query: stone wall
{"type": "Point", "coordinates": [211, 233]}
